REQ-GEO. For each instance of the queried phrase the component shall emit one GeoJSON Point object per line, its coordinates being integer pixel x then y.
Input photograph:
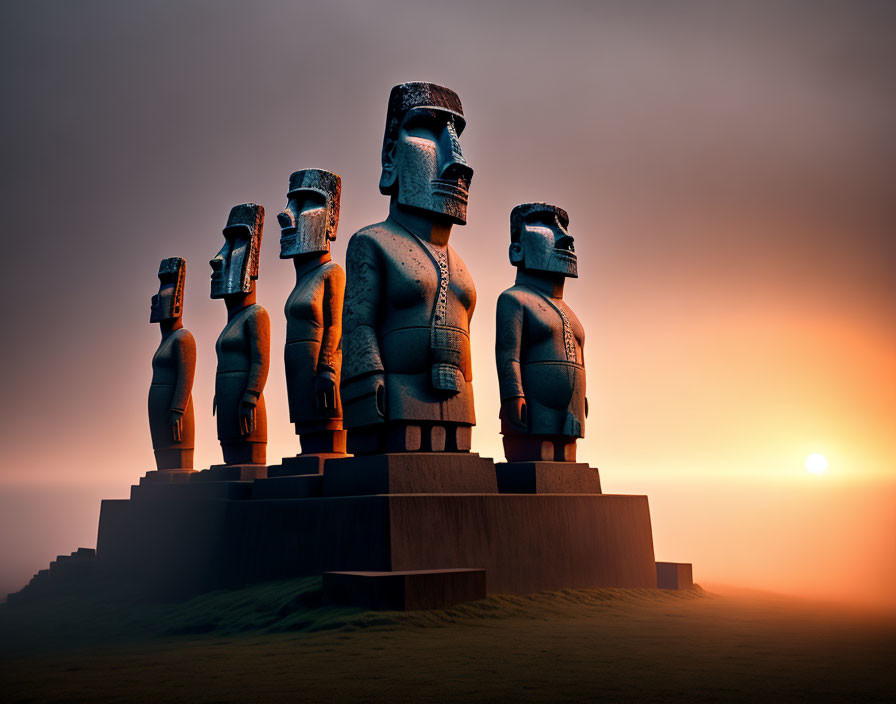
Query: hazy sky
{"type": "Point", "coordinates": [729, 172]}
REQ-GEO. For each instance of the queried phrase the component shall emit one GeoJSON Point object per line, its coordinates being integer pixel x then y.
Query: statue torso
{"type": "Point", "coordinates": [233, 347]}
{"type": "Point", "coordinates": [305, 306]}
{"type": "Point", "coordinates": [409, 280]}
{"type": "Point", "coordinates": [165, 360]}
{"type": "Point", "coordinates": [551, 330]}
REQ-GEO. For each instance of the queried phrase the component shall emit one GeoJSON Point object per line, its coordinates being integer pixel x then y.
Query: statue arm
{"type": "Point", "coordinates": [360, 311]}
{"type": "Point", "coordinates": [362, 386]}
{"type": "Point", "coordinates": [258, 331]}
{"type": "Point", "coordinates": [508, 346]}
{"type": "Point", "coordinates": [325, 380]}
{"type": "Point", "coordinates": [185, 351]}
{"type": "Point", "coordinates": [334, 294]}
{"type": "Point", "coordinates": [508, 351]}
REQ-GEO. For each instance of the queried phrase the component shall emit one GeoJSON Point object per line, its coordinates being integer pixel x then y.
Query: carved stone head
{"type": "Point", "coordinates": [309, 222]}
{"type": "Point", "coordinates": [168, 303]}
{"type": "Point", "coordinates": [236, 265]}
{"type": "Point", "coordinates": [539, 240]}
{"type": "Point", "coordinates": [423, 165]}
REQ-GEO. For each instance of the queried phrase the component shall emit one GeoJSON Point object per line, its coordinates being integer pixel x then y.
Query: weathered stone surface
{"type": "Point", "coordinates": [539, 345]}
{"type": "Point", "coordinates": [547, 478]}
{"type": "Point", "coordinates": [313, 353]}
{"type": "Point", "coordinates": [406, 590]}
{"type": "Point", "coordinates": [243, 348]}
{"type": "Point", "coordinates": [409, 297]}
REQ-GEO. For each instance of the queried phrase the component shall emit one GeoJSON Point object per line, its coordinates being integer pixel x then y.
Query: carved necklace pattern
{"type": "Point", "coordinates": [440, 258]}
{"type": "Point", "coordinates": [569, 339]}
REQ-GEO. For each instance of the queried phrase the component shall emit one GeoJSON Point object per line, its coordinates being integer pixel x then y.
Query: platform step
{"type": "Point", "coordinates": [674, 575]}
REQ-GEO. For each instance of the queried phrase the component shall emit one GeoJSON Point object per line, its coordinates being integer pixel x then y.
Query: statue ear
{"type": "Point", "coordinates": [516, 253]}
{"type": "Point", "coordinates": [390, 173]}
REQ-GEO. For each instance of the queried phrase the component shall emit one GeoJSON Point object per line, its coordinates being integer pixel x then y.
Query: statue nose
{"type": "Point", "coordinates": [455, 167]}
{"type": "Point", "coordinates": [456, 170]}
{"type": "Point", "coordinates": [565, 242]}
{"type": "Point", "coordinates": [286, 220]}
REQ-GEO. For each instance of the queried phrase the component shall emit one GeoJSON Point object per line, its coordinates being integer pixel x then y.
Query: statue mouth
{"type": "Point", "coordinates": [451, 188]}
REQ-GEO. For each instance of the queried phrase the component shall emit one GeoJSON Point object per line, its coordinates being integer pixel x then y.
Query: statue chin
{"type": "Point", "coordinates": [451, 206]}
{"type": "Point", "coordinates": [556, 263]}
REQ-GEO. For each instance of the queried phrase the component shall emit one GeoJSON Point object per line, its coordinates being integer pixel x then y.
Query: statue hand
{"type": "Point", "coordinates": [247, 413]}
{"type": "Point", "coordinates": [325, 393]}
{"type": "Point", "coordinates": [380, 392]}
{"type": "Point", "coordinates": [176, 420]}
{"type": "Point", "coordinates": [513, 410]}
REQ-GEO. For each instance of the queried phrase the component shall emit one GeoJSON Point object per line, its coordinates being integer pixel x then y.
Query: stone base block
{"type": "Point", "coordinates": [286, 487]}
{"type": "Point", "coordinates": [302, 464]}
{"type": "Point", "coordinates": [547, 478]}
{"type": "Point", "coordinates": [231, 473]}
{"type": "Point", "coordinates": [525, 542]}
{"type": "Point", "coordinates": [674, 575]}
{"type": "Point", "coordinates": [410, 589]}
{"type": "Point", "coordinates": [410, 473]}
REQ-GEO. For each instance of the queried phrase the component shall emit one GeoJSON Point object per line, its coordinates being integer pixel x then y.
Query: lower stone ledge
{"type": "Point", "coordinates": [167, 476]}
{"type": "Point", "coordinates": [405, 590]}
{"type": "Point", "coordinates": [303, 464]}
{"type": "Point", "coordinates": [674, 575]}
{"type": "Point", "coordinates": [231, 473]}
{"type": "Point", "coordinates": [230, 490]}
{"type": "Point", "coordinates": [544, 477]}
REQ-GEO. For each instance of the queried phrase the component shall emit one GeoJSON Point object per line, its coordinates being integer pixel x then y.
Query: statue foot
{"type": "Point", "coordinates": [539, 448]}
{"type": "Point", "coordinates": [244, 453]}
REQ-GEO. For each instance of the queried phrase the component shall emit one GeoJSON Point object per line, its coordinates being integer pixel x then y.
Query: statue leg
{"type": "Point", "coordinates": [528, 448]}
{"type": "Point", "coordinates": [244, 452]}
{"type": "Point", "coordinates": [174, 459]}
{"type": "Point", "coordinates": [403, 437]}
{"type": "Point", "coordinates": [366, 440]}
{"type": "Point", "coordinates": [323, 442]}
{"type": "Point", "coordinates": [565, 449]}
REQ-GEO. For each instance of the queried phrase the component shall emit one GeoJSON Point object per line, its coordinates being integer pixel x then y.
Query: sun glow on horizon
{"type": "Point", "coordinates": [816, 463]}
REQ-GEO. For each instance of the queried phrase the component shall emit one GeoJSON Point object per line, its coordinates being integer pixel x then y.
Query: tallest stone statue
{"type": "Point", "coordinates": [407, 379]}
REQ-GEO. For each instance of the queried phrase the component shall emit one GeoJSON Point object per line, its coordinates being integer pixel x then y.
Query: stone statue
{"type": "Point", "coordinates": [244, 346]}
{"type": "Point", "coordinates": [173, 366]}
{"type": "Point", "coordinates": [314, 310]}
{"type": "Point", "coordinates": [406, 379]}
{"type": "Point", "coordinates": [539, 342]}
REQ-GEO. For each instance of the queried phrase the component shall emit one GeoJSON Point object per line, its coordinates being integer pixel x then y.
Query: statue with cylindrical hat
{"type": "Point", "coordinates": [539, 343]}
{"type": "Point", "coordinates": [171, 421]}
{"type": "Point", "coordinates": [407, 376]}
{"type": "Point", "coordinates": [313, 355]}
{"type": "Point", "coordinates": [243, 347]}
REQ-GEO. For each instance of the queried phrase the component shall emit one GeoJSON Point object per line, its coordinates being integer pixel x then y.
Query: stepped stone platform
{"type": "Point", "coordinates": [529, 526]}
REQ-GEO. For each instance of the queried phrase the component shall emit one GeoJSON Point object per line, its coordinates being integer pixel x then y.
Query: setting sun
{"type": "Point", "coordinates": [816, 463]}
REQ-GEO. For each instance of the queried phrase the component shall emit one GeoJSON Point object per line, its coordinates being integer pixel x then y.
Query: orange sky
{"type": "Point", "coordinates": [728, 174]}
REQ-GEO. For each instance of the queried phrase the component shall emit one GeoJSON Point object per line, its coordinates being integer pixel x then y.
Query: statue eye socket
{"type": "Point", "coordinates": [422, 123]}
